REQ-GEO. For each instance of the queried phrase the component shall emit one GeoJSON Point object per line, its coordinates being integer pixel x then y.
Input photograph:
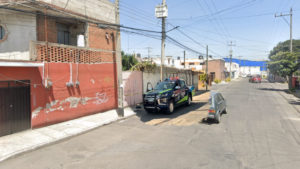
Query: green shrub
{"type": "Point", "coordinates": [217, 81]}
{"type": "Point", "coordinates": [293, 90]}
{"type": "Point", "coordinates": [203, 77]}
{"type": "Point", "coordinates": [227, 79]}
{"type": "Point", "coordinates": [144, 67]}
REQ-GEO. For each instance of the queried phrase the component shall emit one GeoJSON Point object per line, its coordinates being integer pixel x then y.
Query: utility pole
{"type": "Point", "coordinates": [119, 60]}
{"type": "Point", "coordinates": [206, 67]}
{"type": "Point", "coordinates": [184, 59]}
{"type": "Point", "coordinates": [230, 55]}
{"type": "Point", "coordinates": [290, 24]}
{"type": "Point", "coordinates": [163, 37]}
{"type": "Point", "coordinates": [161, 11]}
{"type": "Point", "coordinates": [291, 30]}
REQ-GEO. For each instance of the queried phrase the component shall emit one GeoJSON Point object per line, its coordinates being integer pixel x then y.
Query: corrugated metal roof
{"type": "Point", "coordinates": [261, 64]}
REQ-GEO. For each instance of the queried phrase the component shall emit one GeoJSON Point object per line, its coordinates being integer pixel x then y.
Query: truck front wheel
{"type": "Point", "coordinates": [170, 107]}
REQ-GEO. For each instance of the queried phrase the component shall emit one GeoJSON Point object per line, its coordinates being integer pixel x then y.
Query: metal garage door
{"type": "Point", "coordinates": [15, 111]}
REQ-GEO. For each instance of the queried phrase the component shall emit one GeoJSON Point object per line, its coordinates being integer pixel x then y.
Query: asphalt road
{"type": "Point", "coordinates": [259, 131]}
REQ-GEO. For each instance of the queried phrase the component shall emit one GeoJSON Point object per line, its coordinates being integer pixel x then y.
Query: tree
{"type": "Point", "coordinates": [285, 47]}
{"type": "Point", "coordinates": [128, 61]}
{"type": "Point", "coordinates": [283, 64]}
{"type": "Point", "coordinates": [144, 67]}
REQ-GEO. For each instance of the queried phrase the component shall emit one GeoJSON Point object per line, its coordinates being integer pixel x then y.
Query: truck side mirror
{"type": "Point", "coordinates": [149, 87]}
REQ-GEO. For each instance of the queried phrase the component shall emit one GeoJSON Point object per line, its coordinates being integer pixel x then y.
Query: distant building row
{"type": "Point", "coordinates": [217, 68]}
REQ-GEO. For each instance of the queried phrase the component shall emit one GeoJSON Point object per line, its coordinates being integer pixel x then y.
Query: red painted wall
{"type": "Point", "coordinates": [96, 92]}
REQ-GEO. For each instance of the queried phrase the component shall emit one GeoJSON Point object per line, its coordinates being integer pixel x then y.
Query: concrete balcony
{"type": "Point", "coordinates": [53, 52]}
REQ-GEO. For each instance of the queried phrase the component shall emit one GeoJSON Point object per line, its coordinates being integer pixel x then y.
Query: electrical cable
{"type": "Point", "coordinates": [189, 37]}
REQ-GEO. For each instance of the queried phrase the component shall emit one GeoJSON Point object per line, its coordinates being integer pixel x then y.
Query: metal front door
{"type": "Point", "coordinates": [15, 111]}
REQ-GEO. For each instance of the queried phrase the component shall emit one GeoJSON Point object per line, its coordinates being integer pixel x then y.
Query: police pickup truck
{"type": "Point", "coordinates": [167, 95]}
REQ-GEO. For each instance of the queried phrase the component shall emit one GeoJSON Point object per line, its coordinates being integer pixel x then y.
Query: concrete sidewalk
{"type": "Point", "coordinates": [21, 142]}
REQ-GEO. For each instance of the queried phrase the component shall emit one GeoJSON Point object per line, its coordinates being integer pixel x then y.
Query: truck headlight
{"type": "Point", "coordinates": [158, 96]}
{"type": "Point", "coordinates": [164, 100]}
{"type": "Point", "coordinates": [164, 95]}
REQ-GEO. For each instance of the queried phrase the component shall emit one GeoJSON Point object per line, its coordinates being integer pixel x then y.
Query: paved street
{"type": "Point", "coordinates": [261, 131]}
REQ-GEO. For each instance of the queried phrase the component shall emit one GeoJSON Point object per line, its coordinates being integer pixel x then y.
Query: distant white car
{"type": "Point", "coordinates": [244, 75]}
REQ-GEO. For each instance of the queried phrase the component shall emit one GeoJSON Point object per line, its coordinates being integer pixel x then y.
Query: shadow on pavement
{"type": "Point", "coordinates": [179, 111]}
{"type": "Point", "coordinates": [207, 121]}
{"type": "Point", "coordinates": [199, 92]}
{"type": "Point", "coordinates": [295, 102]}
{"type": "Point", "coordinates": [272, 89]}
{"type": "Point", "coordinates": [210, 121]}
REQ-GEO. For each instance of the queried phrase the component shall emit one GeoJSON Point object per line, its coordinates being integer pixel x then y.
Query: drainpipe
{"type": "Point", "coordinates": [47, 56]}
{"type": "Point", "coordinates": [43, 80]}
{"type": "Point", "coordinates": [70, 83]}
{"type": "Point", "coordinates": [77, 83]}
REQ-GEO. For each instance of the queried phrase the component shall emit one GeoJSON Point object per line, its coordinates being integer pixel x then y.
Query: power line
{"type": "Point", "coordinates": [82, 20]}
{"type": "Point", "coordinates": [189, 37]}
{"type": "Point", "coordinates": [221, 21]}
{"type": "Point", "coordinates": [137, 31]}
{"type": "Point", "coordinates": [138, 17]}
{"type": "Point", "coordinates": [210, 20]}
{"type": "Point", "coordinates": [225, 10]}
{"type": "Point", "coordinates": [216, 21]}
{"type": "Point", "coordinates": [175, 42]}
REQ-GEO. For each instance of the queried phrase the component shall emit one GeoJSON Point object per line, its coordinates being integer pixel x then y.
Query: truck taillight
{"type": "Point", "coordinates": [211, 111]}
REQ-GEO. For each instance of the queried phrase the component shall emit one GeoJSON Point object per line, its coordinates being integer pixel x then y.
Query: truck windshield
{"type": "Point", "coordinates": [164, 86]}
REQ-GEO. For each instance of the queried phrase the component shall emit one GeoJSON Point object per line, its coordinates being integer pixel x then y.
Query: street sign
{"type": "Point", "coordinates": [161, 11]}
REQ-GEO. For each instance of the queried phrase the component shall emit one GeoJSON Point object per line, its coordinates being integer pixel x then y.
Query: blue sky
{"type": "Point", "coordinates": [249, 24]}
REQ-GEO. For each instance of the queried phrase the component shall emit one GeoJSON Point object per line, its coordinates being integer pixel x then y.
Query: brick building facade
{"type": "Point", "coordinates": [68, 66]}
{"type": "Point", "coordinates": [216, 69]}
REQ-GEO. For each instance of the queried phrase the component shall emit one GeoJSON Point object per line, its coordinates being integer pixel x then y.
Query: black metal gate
{"type": "Point", "coordinates": [15, 110]}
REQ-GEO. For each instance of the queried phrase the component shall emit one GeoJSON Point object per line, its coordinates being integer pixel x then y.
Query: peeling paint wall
{"type": "Point", "coordinates": [96, 92]}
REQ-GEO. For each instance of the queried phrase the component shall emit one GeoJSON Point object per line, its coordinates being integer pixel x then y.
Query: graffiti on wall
{"type": "Point", "coordinates": [71, 103]}
{"type": "Point", "coordinates": [100, 98]}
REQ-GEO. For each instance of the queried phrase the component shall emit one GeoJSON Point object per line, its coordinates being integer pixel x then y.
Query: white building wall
{"type": "Point", "coordinates": [20, 30]}
{"type": "Point", "coordinates": [178, 63]}
{"type": "Point", "coordinates": [97, 9]}
{"type": "Point", "coordinates": [250, 70]}
{"type": "Point", "coordinates": [235, 69]}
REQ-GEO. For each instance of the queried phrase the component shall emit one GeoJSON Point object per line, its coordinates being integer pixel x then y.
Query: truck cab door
{"type": "Point", "coordinates": [184, 89]}
{"type": "Point", "coordinates": [177, 92]}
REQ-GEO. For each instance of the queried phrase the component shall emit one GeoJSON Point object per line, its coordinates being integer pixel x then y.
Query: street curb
{"type": "Point", "coordinates": [128, 112]}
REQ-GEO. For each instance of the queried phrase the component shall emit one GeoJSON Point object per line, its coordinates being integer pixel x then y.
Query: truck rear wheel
{"type": "Point", "coordinates": [189, 101]}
